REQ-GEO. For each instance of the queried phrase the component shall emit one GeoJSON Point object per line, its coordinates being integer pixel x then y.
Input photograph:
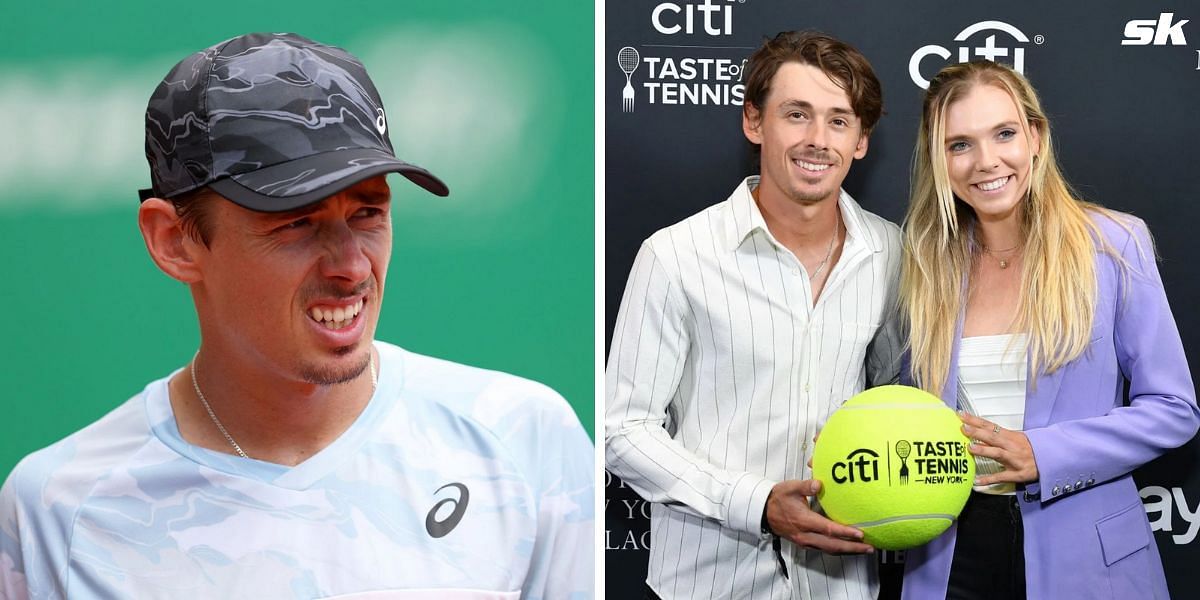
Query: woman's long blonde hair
{"type": "Point", "coordinates": [1058, 285]}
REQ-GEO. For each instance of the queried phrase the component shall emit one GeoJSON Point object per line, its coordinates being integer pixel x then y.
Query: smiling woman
{"type": "Point", "coordinates": [1020, 298]}
{"type": "Point", "coordinates": [989, 154]}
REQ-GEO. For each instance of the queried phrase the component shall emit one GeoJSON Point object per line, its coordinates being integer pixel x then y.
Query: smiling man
{"type": "Point", "coordinates": [742, 328]}
{"type": "Point", "coordinates": [295, 456]}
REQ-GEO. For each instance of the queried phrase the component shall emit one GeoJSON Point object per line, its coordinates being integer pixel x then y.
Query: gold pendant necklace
{"type": "Point", "coordinates": [1003, 262]}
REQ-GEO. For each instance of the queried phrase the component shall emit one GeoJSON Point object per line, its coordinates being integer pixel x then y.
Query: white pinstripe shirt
{"type": "Point", "coordinates": [721, 370]}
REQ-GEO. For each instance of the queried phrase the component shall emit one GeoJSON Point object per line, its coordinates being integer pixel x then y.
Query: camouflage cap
{"type": "Point", "coordinates": [272, 121]}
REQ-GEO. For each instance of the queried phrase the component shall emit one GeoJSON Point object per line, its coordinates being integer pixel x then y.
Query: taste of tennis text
{"type": "Point", "coordinates": [941, 462]}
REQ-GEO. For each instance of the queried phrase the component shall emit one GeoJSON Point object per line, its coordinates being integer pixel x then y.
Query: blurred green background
{"type": "Point", "coordinates": [494, 97]}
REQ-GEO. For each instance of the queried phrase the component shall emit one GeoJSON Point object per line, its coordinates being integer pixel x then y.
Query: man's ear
{"type": "Point", "coordinates": [860, 149]}
{"type": "Point", "coordinates": [170, 247]}
{"type": "Point", "coordinates": [752, 123]}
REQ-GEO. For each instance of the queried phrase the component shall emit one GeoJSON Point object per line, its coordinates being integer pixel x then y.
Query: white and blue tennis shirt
{"type": "Point", "coordinates": [454, 483]}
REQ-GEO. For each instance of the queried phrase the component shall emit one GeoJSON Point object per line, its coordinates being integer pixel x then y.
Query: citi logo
{"type": "Point", "coordinates": [1010, 50]}
{"type": "Point", "coordinates": [860, 465]}
{"type": "Point", "coordinates": [713, 16]}
{"type": "Point", "coordinates": [1149, 32]}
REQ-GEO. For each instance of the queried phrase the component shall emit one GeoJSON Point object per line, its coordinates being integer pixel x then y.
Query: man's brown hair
{"type": "Point", "coordinates": [843, 64]}
{"type": "Point", "coordinates": [193, 211]}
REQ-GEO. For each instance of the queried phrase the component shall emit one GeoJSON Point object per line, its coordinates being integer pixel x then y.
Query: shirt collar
{"type": "Point", "coordinates": [747, 219]}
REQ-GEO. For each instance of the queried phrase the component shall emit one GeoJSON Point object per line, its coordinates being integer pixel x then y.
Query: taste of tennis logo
{"type": "Point", "coordinates": [681, 81]}
{"type": "Point", "coordinates": [691, 70]}
{"type": "Point", "coordinates": [930, 463]}
{"type": "Point", "coordinates": [629, 59]}
{"type": "Point", "coordinates": [934, 463]}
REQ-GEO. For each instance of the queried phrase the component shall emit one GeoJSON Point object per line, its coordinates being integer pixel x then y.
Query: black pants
{"type": "Point", "coordinates": [989, 556]}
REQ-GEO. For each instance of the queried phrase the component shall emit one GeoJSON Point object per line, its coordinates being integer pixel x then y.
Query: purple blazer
{"type": "Point", "coordinates": [1086, 533]}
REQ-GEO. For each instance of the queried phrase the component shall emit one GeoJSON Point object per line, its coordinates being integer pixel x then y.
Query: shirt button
{"type": "Point", "coordinates": [1079, 484]}
{"type": "Point", "coordinates": [1068, 489]}
{"type": "Point", "coordinates": [796, 272]}
{"type": "Point", "coordinates": [1091, 481]}
{"type": "Point", "coordinates": [1055, 491]}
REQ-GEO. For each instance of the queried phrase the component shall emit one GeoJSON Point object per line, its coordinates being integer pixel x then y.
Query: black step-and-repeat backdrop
{"type": "Point", "coordinates": [1120, 80]}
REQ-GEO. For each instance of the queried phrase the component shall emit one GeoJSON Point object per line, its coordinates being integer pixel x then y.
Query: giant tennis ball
{"type": "Point", "coordinates": [893, 462]}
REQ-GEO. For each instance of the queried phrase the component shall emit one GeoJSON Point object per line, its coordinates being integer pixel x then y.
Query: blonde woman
{"type": "Point", "coordinates": [1029, 309]}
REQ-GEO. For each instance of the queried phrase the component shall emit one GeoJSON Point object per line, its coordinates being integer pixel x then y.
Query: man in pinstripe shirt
{"type": "Point", "coordinates": [742, 328]}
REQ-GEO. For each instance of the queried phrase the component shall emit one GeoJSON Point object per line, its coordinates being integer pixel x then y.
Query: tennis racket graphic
{"type": "Point", "coordinates": [903, 449]}
{"type": "Point", "coordinates": [628, 58]}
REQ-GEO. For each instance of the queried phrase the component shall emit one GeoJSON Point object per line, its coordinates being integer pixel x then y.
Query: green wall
{"type": "Point", "coordinates": [494, 97]}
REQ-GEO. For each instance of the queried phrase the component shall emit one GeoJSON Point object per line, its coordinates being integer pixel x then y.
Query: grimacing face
{"type": "Point", "coordinates": [808, 134]}
{"type": "Point", "coordinates": [989, 155]}
{"type": "Point", "coordinates": [298, 293]}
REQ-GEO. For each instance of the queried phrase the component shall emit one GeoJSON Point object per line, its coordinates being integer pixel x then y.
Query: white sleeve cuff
{"type": "Point", "coordinates": [747, 500]}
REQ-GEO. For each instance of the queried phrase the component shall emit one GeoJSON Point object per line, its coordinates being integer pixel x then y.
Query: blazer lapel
{"type": "Point", "coordinates": [950, 388]}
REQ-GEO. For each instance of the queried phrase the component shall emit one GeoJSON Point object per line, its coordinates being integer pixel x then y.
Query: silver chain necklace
{"type": "Point", "coordinates": [832, 240]}
{"type": "Point", "coordinates": [212, 415]}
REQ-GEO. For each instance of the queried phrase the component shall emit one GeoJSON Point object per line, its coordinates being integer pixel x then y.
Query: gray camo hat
{"type": "Point", "coordinates": [271, 121]}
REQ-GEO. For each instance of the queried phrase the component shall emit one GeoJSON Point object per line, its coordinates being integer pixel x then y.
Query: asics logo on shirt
{"type": "Point", "coordinates": [440, 528]}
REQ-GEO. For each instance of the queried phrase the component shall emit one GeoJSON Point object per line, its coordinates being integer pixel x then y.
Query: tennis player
{"type": "Point", "coordinates": [742, 328]}
{"type": "Point", "coordinates": [295, 456]}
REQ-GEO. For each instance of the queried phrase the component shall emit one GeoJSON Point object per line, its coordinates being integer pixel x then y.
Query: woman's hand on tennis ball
{"type": "Point", "coordinates": [1009, 448]}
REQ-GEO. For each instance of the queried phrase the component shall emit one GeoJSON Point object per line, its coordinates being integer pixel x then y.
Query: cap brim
{"type": "Point", "coordinates": [303, 181]}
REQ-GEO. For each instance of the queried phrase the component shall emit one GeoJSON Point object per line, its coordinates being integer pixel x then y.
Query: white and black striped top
{"type": "Point", "coordinates": [721, 371]}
